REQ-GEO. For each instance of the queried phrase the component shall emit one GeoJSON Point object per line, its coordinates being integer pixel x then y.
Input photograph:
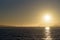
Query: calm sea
{"type": "Point", "coordinates": [30, 33]}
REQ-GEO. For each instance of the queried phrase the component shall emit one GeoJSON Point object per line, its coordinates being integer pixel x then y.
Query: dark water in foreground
{"type": "Point", "coordinates": [31, 33]}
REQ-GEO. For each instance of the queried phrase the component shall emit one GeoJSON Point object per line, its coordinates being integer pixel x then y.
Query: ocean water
{"type": "Point", "coordinates": [29, 33]}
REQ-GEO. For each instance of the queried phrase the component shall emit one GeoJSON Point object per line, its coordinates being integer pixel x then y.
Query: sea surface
{"type": "Point", "coordinates": [29, 33]}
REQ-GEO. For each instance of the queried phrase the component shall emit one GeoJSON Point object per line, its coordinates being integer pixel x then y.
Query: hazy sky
{"type": "Point", "coordinates": [28, 12]}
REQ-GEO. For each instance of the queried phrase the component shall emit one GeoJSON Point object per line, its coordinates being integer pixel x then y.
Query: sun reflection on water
{"type": "Point", "coordinates": [47, 34]}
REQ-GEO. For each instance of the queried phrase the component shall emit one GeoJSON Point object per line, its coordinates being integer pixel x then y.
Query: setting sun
{"type": "Point", "coordinates": [47, 18]}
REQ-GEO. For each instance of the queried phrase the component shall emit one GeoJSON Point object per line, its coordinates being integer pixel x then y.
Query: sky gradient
{"type": "Point", "coordinates": [28, 12]}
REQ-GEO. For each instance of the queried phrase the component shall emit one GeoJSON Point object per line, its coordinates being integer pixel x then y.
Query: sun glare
{"type": "Point", "coordinates": [47, 18]}
{"type": "Point", "coordinates": [47, 28]}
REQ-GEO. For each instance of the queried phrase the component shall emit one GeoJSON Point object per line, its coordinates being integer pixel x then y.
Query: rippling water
{"type": "Point", "coordinates": [37, 33]}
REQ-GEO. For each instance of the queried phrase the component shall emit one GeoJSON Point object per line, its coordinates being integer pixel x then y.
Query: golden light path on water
{"type": "Point", "coordinates": [47, 34]}
{"type": "Point", "coordinates": [48, 20]}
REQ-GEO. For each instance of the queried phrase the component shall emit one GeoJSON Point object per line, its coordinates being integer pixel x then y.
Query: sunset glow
{"type": "Point", "coordinates": [30, 12]}
{"type": "Point", "coordinates": [47, 18]}
{"type": "Point", "coordinates": [47, 28]}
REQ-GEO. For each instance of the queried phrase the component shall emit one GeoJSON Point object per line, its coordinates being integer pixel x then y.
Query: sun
{"type": "Point", "coordinates": [47, 18]}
